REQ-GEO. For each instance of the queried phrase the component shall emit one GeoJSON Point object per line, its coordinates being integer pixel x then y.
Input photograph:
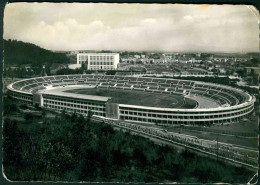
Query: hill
{"type": "Point", "coordinates": [18, 53]}
{"type": "Point", "coordinates": [72, 148]}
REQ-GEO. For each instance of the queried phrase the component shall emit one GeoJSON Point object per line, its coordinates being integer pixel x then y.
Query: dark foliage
{"type": "Point", "coordinates": [9, 105]}
{"type": "Point", "coordinates": [28, 116]}
{"type": "Point", "coordinates": [72, 148]}
{"type": "Point", "coordinates": [66, 71]}
{"type": "Point", "coordinates": [18, 52]}
{"type": "Point", "coordinates": [254, 62]}
{"type": "Point", "coordinates": [110, 72]}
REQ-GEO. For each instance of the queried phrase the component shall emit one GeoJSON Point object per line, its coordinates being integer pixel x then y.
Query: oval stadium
{"type": "Point", "coordinates": [136, 99]}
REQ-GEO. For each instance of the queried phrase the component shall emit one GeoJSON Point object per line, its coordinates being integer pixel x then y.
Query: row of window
{"type": "Point", "coordinates": [98, 58]}
{"type": "Point", "coordinates": [20, 96]}
{"type": "Point", "coordinates": [178, 112]}
{"type": "Point", "coordinates": [26, 102]}
{"type": "Point", "coordinates": [82, 62]}
{"type": "Point", "coordinates": [184, 114]}
{"type": "Point", "coordinates": [125, 113]}
{"type": "Point", "coordinates": [102, 63]}
{"type": "Point", "coordinates": [48, 99]}
{"type": "Point", "coordinates": [128, 118]}
{"type": "Point", "coordinates": [73, 105]}
{"type": "Point", "coordinates": [100, 108]}
{"type": "Point", "coordinates": [80, 111]}
{"type": "Point", "coordinates": [101, 67]}
{"type": "Point", "coordinates": [83, 57]}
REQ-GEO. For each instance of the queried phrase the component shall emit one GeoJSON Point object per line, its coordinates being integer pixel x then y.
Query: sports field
{"type": "Point", "coordinates": [139, 98]}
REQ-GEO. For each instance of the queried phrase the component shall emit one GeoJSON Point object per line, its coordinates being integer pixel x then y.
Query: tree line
{"type": "Point", "coordinates": [18, 53]}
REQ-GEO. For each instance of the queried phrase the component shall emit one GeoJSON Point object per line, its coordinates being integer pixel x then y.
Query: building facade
{"type": "Point", "coordinates": [252, 70]}
{"type": "Point", "coordinates": [98, 61]}
{"type": "Point", "coordinates": [75, 103]}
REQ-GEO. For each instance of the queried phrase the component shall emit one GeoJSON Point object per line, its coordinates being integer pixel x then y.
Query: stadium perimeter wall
{"type": "Point", "coordinates": [102, 106]}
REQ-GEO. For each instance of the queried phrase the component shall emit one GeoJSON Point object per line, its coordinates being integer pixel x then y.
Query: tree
{"type": "Point", "coordinates": [241, 73]}
{"type": "Point", "coordinates": [68, 148]}
{"type": "Point", "coordinates": [90, 114]}
{"type": "Point", "coordinates": [43, 112]}
{"type": "Point", "coordinates": [28, 116]}
{"type": "Point", "coordinates": [11, 143]}
{"type": "Point", "coordinates": [18, 52]}
{"type": "Point", "coordinates": [9, 105]}
{"type": "Point", "coordinates": [111, 72]}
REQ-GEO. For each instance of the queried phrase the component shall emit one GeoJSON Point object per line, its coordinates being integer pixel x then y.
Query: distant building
{"type": "Point", "coordinates": [168, 56]}
{"type": "Point", "coordinates": [97, 61]}
{"type": "Point", "coordinates": [147, 60]}
{"type": "Point", "coordinates": [74, 52]}
{"type": "Point", "coordinates": [222, 70]}
{"type": "Point", "coordinates": [171, 61]}
{"type": "Point", "coordinates": [254, 70]}
{"type": "Point", "coordinates": [160, 61]}
{"type": "Point", "coordinates": [129, 60]}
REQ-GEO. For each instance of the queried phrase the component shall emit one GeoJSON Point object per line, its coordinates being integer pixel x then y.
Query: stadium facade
{"type": "Point", "coordinates": [98, 61]}
{"type": "Point", "coordinates": [234, 104]}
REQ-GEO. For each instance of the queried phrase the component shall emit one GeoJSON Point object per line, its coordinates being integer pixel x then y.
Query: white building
{"type": "Point", "coordinates": [98, 61]}
{"type": "Point", "coordinates": [137, 56]}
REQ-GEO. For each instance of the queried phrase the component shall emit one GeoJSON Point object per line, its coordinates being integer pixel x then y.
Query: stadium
{"type": "Point", "coordinates": [136, 99]}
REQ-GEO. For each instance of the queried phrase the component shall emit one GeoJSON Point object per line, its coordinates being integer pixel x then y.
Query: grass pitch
{"type": "Point", "coordinates": [139, 98]}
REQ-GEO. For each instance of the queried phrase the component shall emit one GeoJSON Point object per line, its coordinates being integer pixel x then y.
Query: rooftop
{"type": "Point", "coordinates": [98, 53]}
{"type": "Point", "coordinates": [77, 96]}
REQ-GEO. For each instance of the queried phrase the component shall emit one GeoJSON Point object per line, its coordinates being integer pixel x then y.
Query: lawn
{"type": "Point", "coordinates": [138, 98]}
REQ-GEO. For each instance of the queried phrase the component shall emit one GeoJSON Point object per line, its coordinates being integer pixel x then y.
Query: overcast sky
{"type": "Point", "coordinates": [78, 26]}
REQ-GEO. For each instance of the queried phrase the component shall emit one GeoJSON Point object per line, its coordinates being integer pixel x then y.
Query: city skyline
{"type": "Point", "coordinates": [134, 27]}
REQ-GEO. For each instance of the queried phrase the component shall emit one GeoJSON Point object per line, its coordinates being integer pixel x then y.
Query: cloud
{"type": "Point", "coordinates": [203, 7]}
{"type": "Point", "coordinates": [132, 26]}
{"type": "Point", "coordinates": [188, 18]}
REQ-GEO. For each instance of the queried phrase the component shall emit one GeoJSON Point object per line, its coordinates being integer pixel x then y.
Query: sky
{"type": "Point", "coordinates": [134, 27]}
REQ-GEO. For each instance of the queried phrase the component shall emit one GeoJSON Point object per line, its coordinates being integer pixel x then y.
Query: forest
{"type": "Point", "coordinates": [19, 53]}
{"type": "Point", "coordinates": [75, 148]}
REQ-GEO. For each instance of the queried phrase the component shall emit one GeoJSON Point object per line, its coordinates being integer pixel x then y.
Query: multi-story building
{"type": "Point", "coordinates": [98, 61]}
{"type": "Point", "coordinates": [75, 103]}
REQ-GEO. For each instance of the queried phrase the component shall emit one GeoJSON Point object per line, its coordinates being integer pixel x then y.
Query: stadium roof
{"type": "Point", "coordinates": [78, 96]}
